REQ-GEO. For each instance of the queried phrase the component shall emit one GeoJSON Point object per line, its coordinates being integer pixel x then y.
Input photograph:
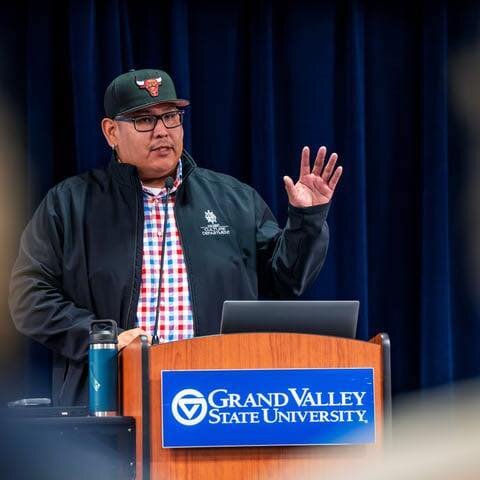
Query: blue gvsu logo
{"type": "Point", "coordinates": [267, 407]}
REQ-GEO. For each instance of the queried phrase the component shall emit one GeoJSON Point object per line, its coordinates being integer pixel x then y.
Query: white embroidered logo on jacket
{"type": "Point", "coordinates": [213, 228]}
{"type": "Point", "coordinates": [210, 217]}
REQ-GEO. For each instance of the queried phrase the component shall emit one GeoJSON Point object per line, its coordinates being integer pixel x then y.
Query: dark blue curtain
{"type": "Point", "coordinates": [370, 81]}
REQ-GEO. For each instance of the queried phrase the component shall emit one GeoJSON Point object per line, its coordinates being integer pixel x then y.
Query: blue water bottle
{"type": "Point", "coordinates": [103, 365]}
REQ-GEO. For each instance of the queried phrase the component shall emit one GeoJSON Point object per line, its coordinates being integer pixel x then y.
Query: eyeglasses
{"type": "Point", "coordinates": [147, 123]}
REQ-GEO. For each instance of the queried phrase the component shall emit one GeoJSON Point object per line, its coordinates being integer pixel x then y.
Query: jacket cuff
{"type": "Point", "coordinates": [320, 210]}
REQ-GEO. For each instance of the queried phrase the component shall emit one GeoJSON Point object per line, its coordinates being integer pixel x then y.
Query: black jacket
{"type": "Point", "coordinates": [80, 258]}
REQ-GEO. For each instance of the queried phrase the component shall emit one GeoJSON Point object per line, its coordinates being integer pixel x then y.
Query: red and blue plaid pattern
{"type": "Point", "coordinates": [175, 320]}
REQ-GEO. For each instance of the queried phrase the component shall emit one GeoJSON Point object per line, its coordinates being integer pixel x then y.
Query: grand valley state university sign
{"type": "Point", "coordinates": [233, 408]}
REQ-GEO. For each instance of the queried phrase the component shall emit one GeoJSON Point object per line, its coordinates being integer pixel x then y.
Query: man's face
{"type": "Point", "coordinates": [155, 153]}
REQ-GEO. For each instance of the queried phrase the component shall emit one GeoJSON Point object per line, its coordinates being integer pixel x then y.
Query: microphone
{"type": "Point", "coordinates": [168, 186]}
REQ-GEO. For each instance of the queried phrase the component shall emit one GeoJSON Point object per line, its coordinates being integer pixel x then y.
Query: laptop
{"type": "Point", "coordinates": [333, 318]}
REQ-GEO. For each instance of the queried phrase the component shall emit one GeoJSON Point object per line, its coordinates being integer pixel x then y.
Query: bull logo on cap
{"type": "Point", "coordinates": [150, 84]}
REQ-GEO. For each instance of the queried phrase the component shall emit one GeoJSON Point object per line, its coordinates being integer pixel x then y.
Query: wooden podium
{"type": "Point", "coordinates": [140, 391]}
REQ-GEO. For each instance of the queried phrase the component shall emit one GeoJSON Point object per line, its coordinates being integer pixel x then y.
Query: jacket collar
{"type": "Point", "coordinates": [127, 174]}
{"type": "Point", "coordinates": [188, 164]}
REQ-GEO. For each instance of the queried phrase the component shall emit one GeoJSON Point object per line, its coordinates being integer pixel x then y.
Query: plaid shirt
{"type": "Point", "coordinates": [175, 320]}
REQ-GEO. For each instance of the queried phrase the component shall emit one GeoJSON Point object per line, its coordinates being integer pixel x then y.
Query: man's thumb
{"type": "Point", "coordinates": [289, 186]}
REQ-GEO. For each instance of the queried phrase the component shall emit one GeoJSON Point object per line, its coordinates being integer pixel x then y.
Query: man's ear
{"type": "Point", "coordinates": [109, 129]}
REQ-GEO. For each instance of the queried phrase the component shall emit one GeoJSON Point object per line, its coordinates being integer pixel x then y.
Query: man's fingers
{"type": "Point", "coordinates": [318, 165]}
{"type": "Point", "coordinates": [137, 332]}
{"type": "Point", "coordinates": [305, 162]}
{"type": "Point", "coordinates": [335, 178]}
{"type": "Point", "coordinates": [122, 341]}
{"type": "Point", "coordinates": [327, 172]}
{"type": "Point", "coordinates": [128, 336]}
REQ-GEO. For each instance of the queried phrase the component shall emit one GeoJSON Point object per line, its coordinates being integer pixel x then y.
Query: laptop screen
{"type": "Point", "coordinates": [334, 318]}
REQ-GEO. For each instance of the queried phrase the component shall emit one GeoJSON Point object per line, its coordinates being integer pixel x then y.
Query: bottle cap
{"type": "Point", "coordinates": [103, 331]}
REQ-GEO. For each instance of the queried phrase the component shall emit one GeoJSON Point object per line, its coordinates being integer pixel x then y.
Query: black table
{"type": "Point", "coordinates": [67, 448]}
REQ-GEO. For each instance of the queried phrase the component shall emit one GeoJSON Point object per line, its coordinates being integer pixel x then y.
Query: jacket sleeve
{"type": "Point", "coordinates": [289, 260]}
{"type": "Point", "coordinates": [38, 306]}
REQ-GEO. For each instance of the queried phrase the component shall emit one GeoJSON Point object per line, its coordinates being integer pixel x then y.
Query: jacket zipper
{"type": "Point", "coordinates": [127, 323]}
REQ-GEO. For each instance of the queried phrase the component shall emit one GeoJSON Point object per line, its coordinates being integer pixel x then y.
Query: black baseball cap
{"type": "Point", "coordinates": [139, 89]}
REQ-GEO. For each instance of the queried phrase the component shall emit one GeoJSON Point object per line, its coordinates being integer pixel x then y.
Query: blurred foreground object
{"type": "Point", "coordinates": [12, 215]}
{"type": "Point", "coordinates": [436, 435]}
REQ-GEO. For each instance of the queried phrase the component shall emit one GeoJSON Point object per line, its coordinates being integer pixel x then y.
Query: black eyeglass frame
{"type": "Point", "coordinates": [133, 119]}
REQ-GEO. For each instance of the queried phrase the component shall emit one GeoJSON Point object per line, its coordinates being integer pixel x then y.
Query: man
{"type": "Point", "coordinates": [95, 246]}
